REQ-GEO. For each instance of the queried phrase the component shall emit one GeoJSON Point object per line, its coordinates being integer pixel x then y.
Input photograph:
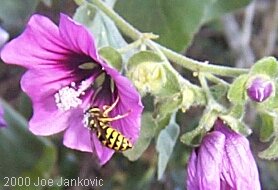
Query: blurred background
{"type": "Point", "coordinates": [236, 33]}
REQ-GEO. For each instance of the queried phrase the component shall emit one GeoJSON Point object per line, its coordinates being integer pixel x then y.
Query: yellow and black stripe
{"type": "Point", "coordinates": [99, 121]}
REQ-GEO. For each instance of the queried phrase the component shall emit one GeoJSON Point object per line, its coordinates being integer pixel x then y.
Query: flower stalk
{"type": "Point", "coordinates": [183, 61]}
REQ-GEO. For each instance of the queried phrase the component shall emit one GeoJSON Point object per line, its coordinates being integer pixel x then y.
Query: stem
{"type": "Point", "coordinates": [216, 80]}
{"type": "Point", "coordinates": [183, 61]}
{"type": "Point", "coordinates": [130, 46]}
{"type": "Point", "coordinates": [154, 47]}
{"type": "Point", "coordinates": [205, 87]}
{"type": "Point", "coordinates": [198, 66]}
{"type": "Point", "coordinates": [124, 26]}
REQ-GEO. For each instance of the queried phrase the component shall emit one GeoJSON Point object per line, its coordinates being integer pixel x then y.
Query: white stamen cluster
{"type": "Point", "coordinates": [69, 97]}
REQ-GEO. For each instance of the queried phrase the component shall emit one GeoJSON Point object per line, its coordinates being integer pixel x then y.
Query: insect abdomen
{"type": "Point", "coordinates": [114, 139]}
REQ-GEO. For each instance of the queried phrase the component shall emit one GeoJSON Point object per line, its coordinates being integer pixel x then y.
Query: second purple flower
{"type": "Point", "coordinates": [223, 161]}
{"type": "Point", "coordinates": [72, 89]}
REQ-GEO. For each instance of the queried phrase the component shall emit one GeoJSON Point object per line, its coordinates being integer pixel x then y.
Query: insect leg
{"type": "Point", "coordinates": [108, 109]}
{"type": "Point", "coordinates": [117, 117]}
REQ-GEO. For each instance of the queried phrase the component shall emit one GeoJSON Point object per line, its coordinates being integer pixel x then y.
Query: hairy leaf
{"type": "Point", "coordinates": [146, 135]}
{"type": "Point", "coordinates": [165, 145]}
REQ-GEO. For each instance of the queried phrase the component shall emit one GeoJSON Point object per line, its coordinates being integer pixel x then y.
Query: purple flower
{"type": "Point", "coordinates": [65, 78]}
{"type": "Point", "coordinates": [223, 162]}
{"type": "Point", "coordinates": [259, 89]}
{"type": "Point", "coordinates": [2, 120]}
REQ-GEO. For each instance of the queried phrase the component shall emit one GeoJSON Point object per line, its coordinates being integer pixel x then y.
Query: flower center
{"type": "Point", "coordinates": [69, 97]}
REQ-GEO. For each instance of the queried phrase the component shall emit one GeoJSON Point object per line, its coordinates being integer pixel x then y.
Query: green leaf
{"type": "Point", "coordinates": [175, 21]}
{"type": "Point", "coordinates": [14, 13]}
{"type": "Point", "coordinates": [144, 57]}
{"type": "Point", "coordinates": [112, 57]}
{"type": "Point", "coordinates": [218, 91]}
{"type": "Point", "coordinates": [267, 126]}
{"type": "Point", "coordinates": [162, 123]}
{"type": "Point", "coordinates": [103, 28]}
{"type": "Point", "coordinates": [146, 135]}
{"type": "Point", "coordinates": [167, 105]}
{"type": "Point", "coordinates": [265, 66]}
{"type": "Point", "coordinates": [271, 152]}
{"type": "Point", "coordinates": [24, 153]}
{"type": "Point", "coordinates": [165, 145]}
{"type": "Point", "coordinates": [205, 124]}
{"type": "Point", "coordinates": [236, 124]}
{"type": "Point", "coordinates": [172, 85]}
{"type": "Point", "coordinates": [237, 111]}
{"type": "Point", "coordinates": [221, 7]}
{"type": "Point", "coordinates": [237, 91]}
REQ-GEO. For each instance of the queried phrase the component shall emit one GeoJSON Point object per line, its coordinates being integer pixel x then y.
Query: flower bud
{"type": "Point", "coordinates": [148, 72]}
{"type": "Point", "coordinates": [260, 89]}
{"type": "Point", "coordinates": [148, 77]}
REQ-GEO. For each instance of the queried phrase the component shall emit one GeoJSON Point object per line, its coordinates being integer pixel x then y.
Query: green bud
{"type": "Point", "coordinates": [191, 95]}
{"type": "Point", "coordinates": [148, 72]}
{"type": "Point", "coordinates": [149, 77]}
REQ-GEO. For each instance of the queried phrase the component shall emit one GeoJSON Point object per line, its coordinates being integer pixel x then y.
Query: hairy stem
{"type": "Point", "coordinates": [183, 61]}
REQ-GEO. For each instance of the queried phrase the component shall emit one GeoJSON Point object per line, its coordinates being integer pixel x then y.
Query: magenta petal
{"type": "Point", "coordinates": [104, 154]}
{"type": "Point", "coordinates": [53, 56]}
{"type": "Point", "coordinates": [129, 101]}
{"type": "Point", "coordinates": [260, 89]}
{"type": "Point", "coordinates": [47, 118]}
{"type": "Point", "coordinates": [47, 122]}
{"type": "Point", "coordinates": [40, 84]}
{"type": "Point", "coordinates": [192, 181]}
{"type": "Point", "coordinates": [77, 37]}
{"type": "Point", "coordinates": [209, 161]}
{"type": "Point", "coordinates": [239, 167]}
{"type": "Point", "coordinates": [80, 138]}
{"type": "Point", "coordinates": [77, 136]}
{"type": "Point", "coordinates": [225, 186]}
{"type": "Point", "coordinates": [39, 45]}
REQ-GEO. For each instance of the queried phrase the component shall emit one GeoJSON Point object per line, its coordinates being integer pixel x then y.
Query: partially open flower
{"type": "Point", "coordinates": [223, 161]}
{"type": "Point", "coordinates": [67, 81]}
{"type": "Point", "coordinates": [259, 89]}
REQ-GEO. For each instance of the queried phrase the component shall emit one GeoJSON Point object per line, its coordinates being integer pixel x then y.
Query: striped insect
{"type": "Point", "coordinates": [99, 121]}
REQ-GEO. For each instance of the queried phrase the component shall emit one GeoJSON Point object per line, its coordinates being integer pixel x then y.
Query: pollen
{"type": "Point", "coordinates": [70, 96]}
{"type": "Point", "coordinates": [67, 98]}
